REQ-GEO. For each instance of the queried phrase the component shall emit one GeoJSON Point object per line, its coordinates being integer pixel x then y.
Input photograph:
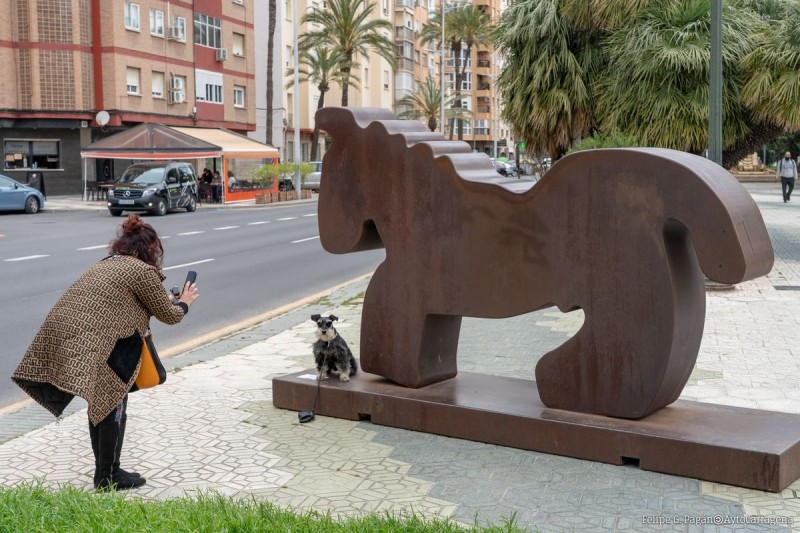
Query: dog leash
{"type": "Point", "coordinates": [307, 416]}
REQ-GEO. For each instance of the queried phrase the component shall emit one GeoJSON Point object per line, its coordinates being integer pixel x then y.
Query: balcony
{"type": "Point", "coordinates": [482, 131]}
{"type": "Point", "coordinates": [405, 63]}
{"type": "Point", "coordinates": [404, 3]}
{"type": "Point", "coordinates": [484, 63]}
{"type": "Point", "coordinates": [401, 33]}
{"type": "Point", "coordinates": [484, 87]}
{"type": "Point", "coordinates": [483, 108]}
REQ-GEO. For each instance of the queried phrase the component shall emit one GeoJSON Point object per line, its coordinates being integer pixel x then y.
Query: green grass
{"type": "Point", "coordinates": [357, 299]}
{"type": "Point", "coordinates": [35, 509]}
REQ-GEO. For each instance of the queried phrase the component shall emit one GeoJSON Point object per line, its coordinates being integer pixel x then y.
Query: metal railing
{"type": "Point", "coordinates": [403, 33]}
{"type": "Point", "coordinates": [484, 63]}
{"type": "Point", "coordinates": [405, 63]}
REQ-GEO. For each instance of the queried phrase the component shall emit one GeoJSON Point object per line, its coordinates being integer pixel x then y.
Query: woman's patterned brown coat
{"type": "Point", "coordinates": [90, 342]}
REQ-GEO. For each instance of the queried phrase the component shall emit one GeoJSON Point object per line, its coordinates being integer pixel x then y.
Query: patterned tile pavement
{"type": "Point", "coordinates": [213, 426]}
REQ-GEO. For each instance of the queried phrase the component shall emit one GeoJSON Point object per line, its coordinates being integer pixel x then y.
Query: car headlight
{"type": "Point", "coordinates": [150, 191]}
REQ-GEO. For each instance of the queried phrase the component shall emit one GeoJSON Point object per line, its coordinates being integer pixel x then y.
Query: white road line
{"type": "Point", "coordinates": [225, 227]}
{"type": "Point", "coordinates": [304, 240]}
{"type": "Point", "coordinates": [192, 233]}
{"type": "Point", "coordinates": [94, 247]}
{"type": "Point", "coordinates": [287, 218]}
{"type": "Point", "coordinates": [188, 264]}
{"type": "Point", "coordinates": [27, 257]}
{"type": "Point", "coordinates": [164, 237]}
{"type": "Point", "coordinates": [257, 223]}
{"type": "Point", "coordinates": [311, 215]}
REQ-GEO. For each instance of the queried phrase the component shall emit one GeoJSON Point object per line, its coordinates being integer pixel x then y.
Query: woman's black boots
{"type": "Point", "coordinates": [107, 437]}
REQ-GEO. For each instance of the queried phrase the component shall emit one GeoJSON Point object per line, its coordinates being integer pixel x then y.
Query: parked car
{"type": "Point", "coordinates": [313, 179]}
{"type": "Point", "coordinates": [504, 169]}
{"type": "Point", "coordinates": [15, 196]}
{"type": "Point", "coordinates": [155, 187]}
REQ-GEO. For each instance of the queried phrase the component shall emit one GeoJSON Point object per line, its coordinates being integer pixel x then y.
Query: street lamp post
{"type": "Point", "coordinates": [441, 85]}
{"type": "Point", "coordinates": [715, 85]}
{"type": "Point", "coordinates": [296, 121]}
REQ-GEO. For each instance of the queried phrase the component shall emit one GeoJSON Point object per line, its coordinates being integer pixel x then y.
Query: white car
{"type": "Point", "coordinates": [312, 180]}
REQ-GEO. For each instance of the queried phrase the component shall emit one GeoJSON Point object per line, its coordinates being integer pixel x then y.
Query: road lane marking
{"type": "Point", "coordinates": [192, 233]}
{"type": "Point", "coordinates": [304, 240]}
{"type": "Point", "coordinates": [188, 264]}
{"type": "Point", "coordinates": [27, 257]}
{"type": "Point", "coordinates": [287, 218]}
{"type": "Point", "coordinates": [225, 227]}
{"type": "Point", "coordinates": [311, 215]}
{"type": "Point", "coordinates": [257, 223]}
{"type": "Point", "coordinates": [93, 247]}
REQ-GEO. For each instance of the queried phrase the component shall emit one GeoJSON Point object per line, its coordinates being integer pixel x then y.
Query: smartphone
{"type": "Point", "coordinates": [191, 277]}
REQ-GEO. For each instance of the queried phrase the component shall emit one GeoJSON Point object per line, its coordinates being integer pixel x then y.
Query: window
{"type": "Point", "coordinates": [158, 84]}
{"type": "Point", "coordinates": [238, 45]}
{"type": "Point", "coordinates": [385, 80]}
{"type": "Point", "coordinates": [238, 96]}
{"type": "Point", "coordinates": [131, 16]}
{"type": "Point", "coordinates": [157, 22]}
{"type": "Point", "coordinates": [416, 56]}
{"type": "Point", "coordinates": [466, 83]}
{"type": "Point", "coordinates": [366, 77]}
{"type": "Point", "coordinates": [288, 56]}
{"type": "Point", "coordinates": [178, 29]}
{"type": "Point", "coordinates": [23, 153]}
{"type": "Point", "coordinates": [209, 87]}
{"type": "Point", "coordinates": [207, 31]}
{"type": "Point", "coordinates": [132, 80]}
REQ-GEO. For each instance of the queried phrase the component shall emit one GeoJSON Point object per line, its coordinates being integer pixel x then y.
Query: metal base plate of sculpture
{"type": "Point", "coordinates": [626, 235]}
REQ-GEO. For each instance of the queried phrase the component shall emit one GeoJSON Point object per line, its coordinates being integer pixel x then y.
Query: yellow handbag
{"type": "Point", "coordinates": [151, 372]}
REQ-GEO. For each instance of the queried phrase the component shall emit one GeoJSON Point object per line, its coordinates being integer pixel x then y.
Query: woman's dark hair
{"type": "Point", "coordinates": [138, 239]}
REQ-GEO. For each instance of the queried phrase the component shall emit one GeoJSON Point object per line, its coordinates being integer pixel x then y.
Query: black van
{"type": "Point", "coordinates": [155, 187]}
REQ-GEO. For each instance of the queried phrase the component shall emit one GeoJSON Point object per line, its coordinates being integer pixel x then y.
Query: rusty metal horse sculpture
{"type": "Point", "coordinates": [625, 235]}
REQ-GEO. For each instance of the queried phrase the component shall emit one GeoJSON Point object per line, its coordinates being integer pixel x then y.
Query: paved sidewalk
{"type": "Point", "coordinates": [213, 426]}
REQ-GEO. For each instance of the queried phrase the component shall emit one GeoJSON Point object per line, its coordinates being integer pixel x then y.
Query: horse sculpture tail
{"type": "Point", "coordinates": [659, 219]}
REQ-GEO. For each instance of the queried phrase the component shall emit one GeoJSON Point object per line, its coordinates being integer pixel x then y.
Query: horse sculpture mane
{"type": "Point", "coordinates": [626, 235]}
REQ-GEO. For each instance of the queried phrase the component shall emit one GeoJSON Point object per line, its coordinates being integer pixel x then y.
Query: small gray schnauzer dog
{"type": "Point", "coordinates": [331, 352]}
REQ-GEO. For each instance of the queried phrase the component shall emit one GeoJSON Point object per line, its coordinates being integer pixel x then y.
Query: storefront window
{"type": "Point", "coordinates": [29, 154]}
{"type": "Point", "coordinates": [241, 175]}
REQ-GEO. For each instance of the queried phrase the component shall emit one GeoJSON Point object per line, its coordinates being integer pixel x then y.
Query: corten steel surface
{"type": "Point", "coordinates": [732, 445]}
{"type": "Point", "coordinates": [624, 234]}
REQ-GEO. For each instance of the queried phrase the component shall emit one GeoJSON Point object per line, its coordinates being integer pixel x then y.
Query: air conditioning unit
{"type": "Point", "coordinates": [176, 84]}
{"type": "Point", "coordinates": [176, 33]}
{"type": "Point", "coordinates": [177, 97]}
{"type": "Point", "coordinates": [222, 54]}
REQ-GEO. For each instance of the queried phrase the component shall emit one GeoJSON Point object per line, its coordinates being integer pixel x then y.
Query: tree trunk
{"type": "Point", "coordinates": [463, 75]}
{"type": "Point", "coordinates": [270, 54]}
{"type": "Point", "coordinates": [457, 103]}
{"type": "Point", "coordinates": [346, 80]}
{"type": "Point", "coordinates": [760, 134]}
{"type": "Point", "coordinates": [432, 123]}
{"type": "Point", "coordinates": [315, 137]}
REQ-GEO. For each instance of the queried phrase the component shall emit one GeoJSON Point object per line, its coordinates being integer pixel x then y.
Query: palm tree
{"type": "Point", "coordinates": [663, 99]}
{"type": "Point", "coordinates": [546, 80]}
{"type": "Point", "coordinates": [425, 103]}
{"type": "Point", "coordinates": [321, 66]}
{"type": "Point", "coordinates": [346, 25]}
{"type": "Point", "coordinates": [772, 86]}
{"type": "Point", "coordinates": [474, 29]}
{"type": "Point", "coordinates": [465, 26]}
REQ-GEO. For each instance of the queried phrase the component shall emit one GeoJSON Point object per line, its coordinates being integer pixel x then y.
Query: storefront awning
{"type": "Point", "coordinates": [151, 141]}
{"type": "Point", "coordinates": [232, 144]}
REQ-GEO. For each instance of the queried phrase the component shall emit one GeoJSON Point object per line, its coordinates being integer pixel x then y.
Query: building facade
{"type": "Point", "coordinates": [84, 69]}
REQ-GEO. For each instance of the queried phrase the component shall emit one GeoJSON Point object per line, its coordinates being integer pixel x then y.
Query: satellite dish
{"type": "Point", "coordinates": [102, 118]}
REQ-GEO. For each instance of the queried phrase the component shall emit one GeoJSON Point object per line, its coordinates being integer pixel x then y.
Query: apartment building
{"type": "Point", "coordinates": [484, 130]}
{"type": "Point", "coordinates": [178, 62]}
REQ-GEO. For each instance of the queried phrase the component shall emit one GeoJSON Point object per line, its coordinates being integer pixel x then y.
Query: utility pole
{"type": "Point", "coordinates": [715, 89]}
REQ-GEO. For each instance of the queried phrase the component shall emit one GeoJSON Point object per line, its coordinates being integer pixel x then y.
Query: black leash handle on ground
{"type": "Point", "coordinates": [308, 416]}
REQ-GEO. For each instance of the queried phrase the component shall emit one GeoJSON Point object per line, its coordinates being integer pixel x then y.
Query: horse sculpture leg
{"type": "Point", "coordinates": [401, 342]}
{"type": "Point", "coordinates": [619, 364]}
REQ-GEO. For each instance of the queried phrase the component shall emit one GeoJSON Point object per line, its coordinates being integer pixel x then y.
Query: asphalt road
{"type": "Point", "coordinates": [249, 261]}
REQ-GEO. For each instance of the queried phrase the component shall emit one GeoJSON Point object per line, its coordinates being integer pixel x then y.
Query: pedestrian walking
{"type": "Point", "coordinates": [787, 172]}
{"type": "Point", "coordinates": [91, 341]}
